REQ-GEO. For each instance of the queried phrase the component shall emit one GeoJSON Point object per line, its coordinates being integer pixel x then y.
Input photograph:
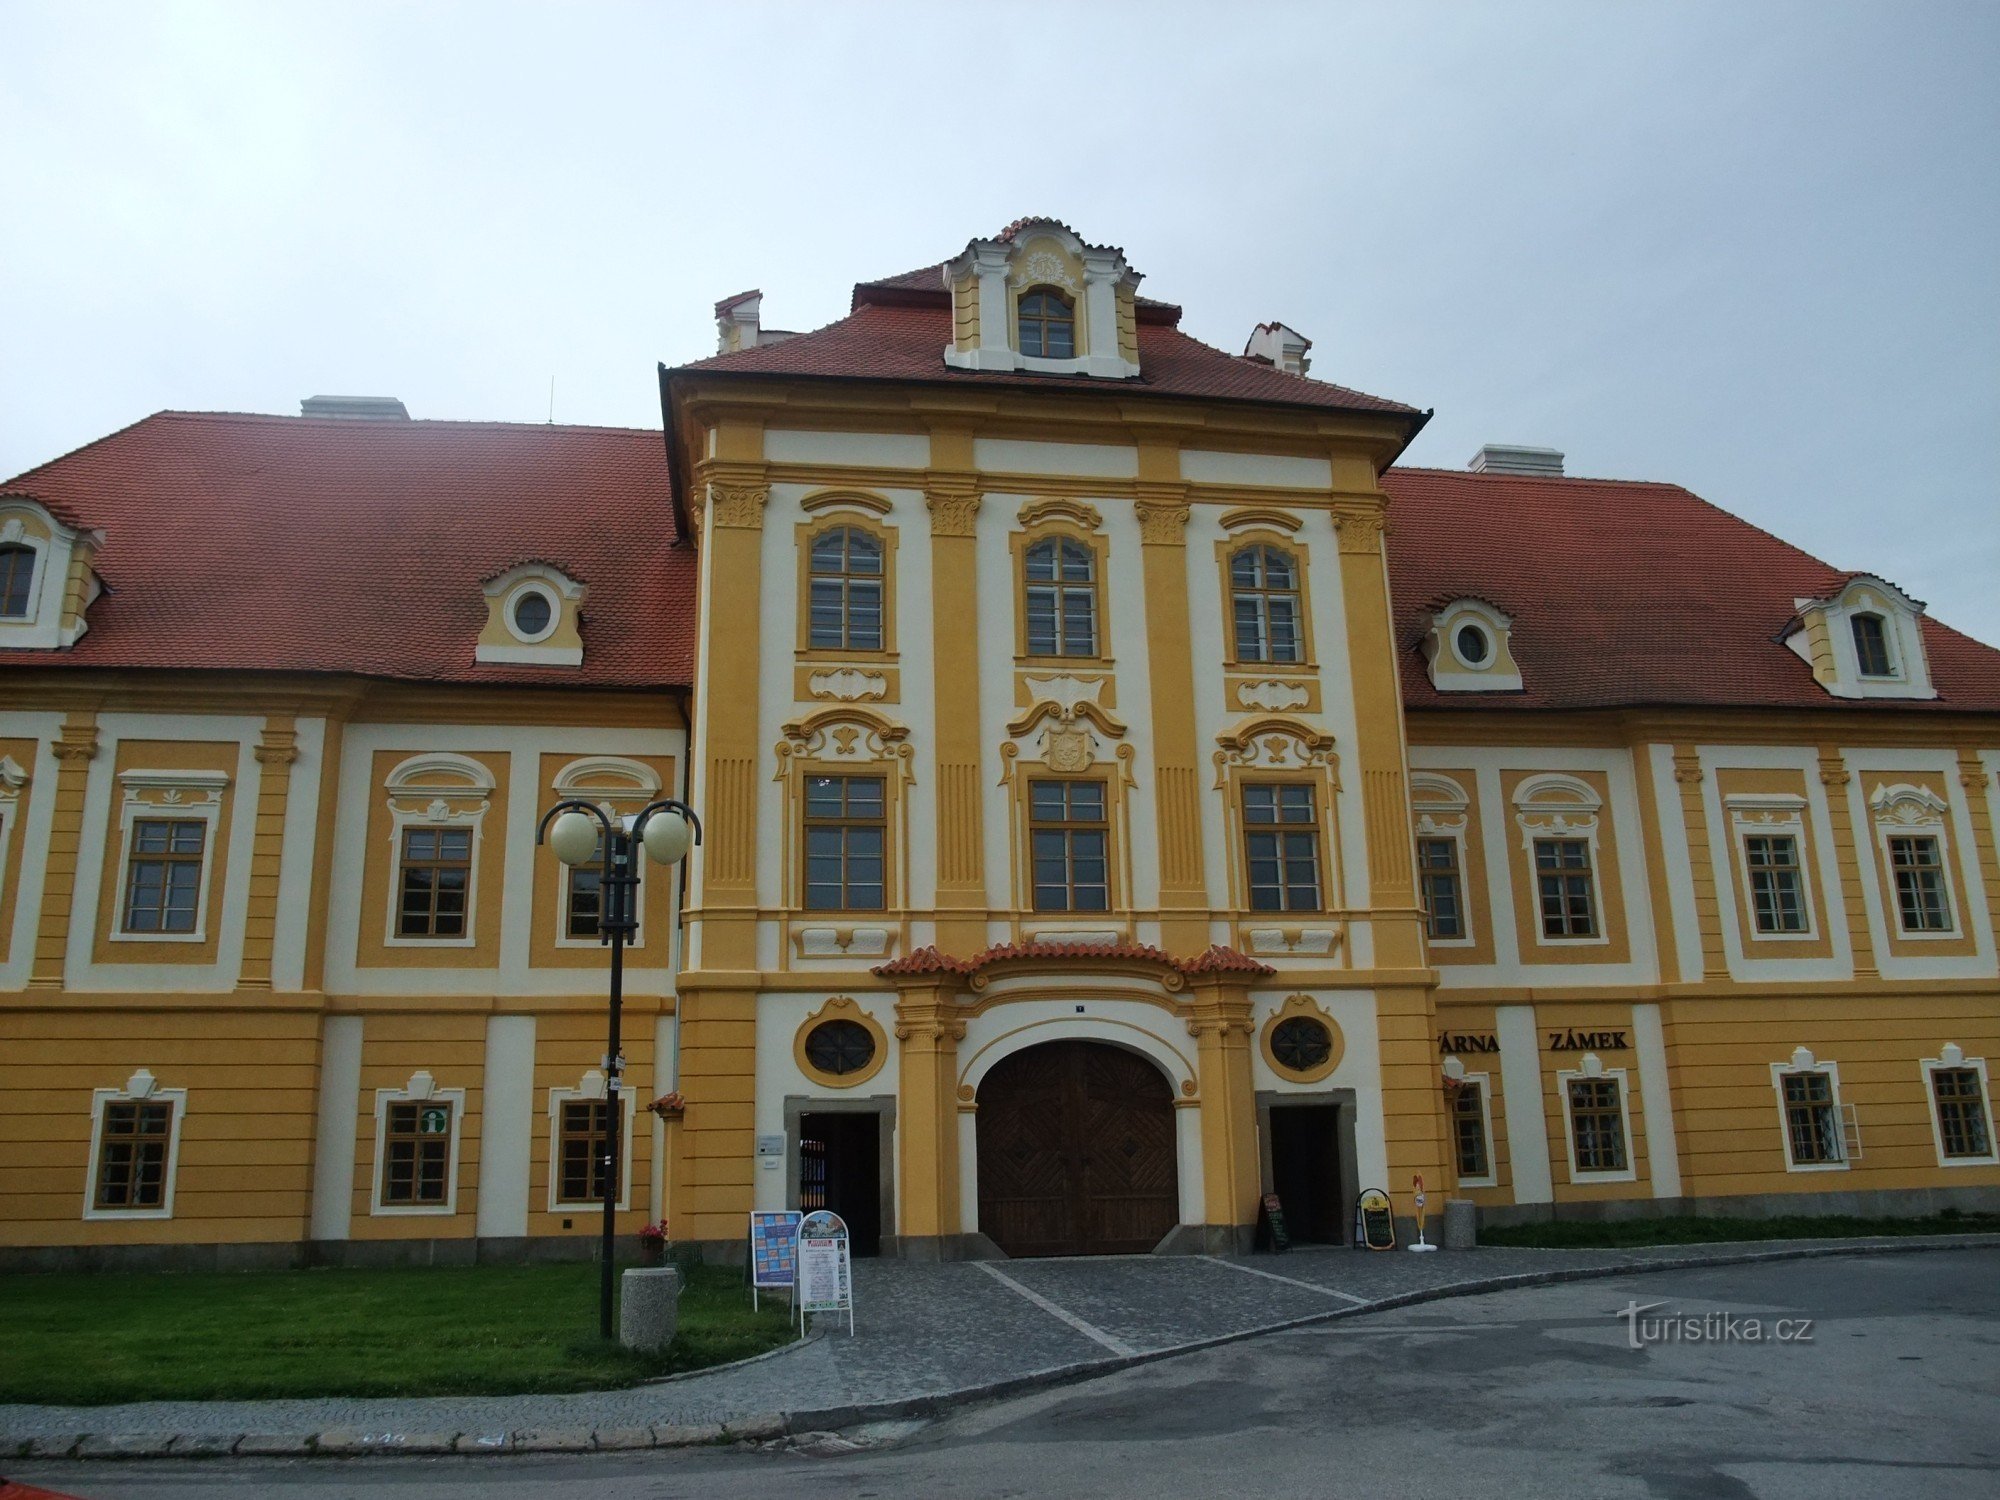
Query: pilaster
{"type": "Point", "coordinates": [1163, 518]}
{"type": "Point", "coordinates": [1701, 864]}
{"type": "Point", "coordinates": [75, 747]}
{"type": "Point", "coordinates": [1985, 816]}
{"type": "Point", "coordinates": [928, 1031]}
{"type": "Point", "coordinates": [1221, 1025]}
{"type": "Point", "coordinates": [1833, 775]}
{"type": "Point", "coordinates": [276, 751]}
{"type": "Point", "coordinates": [951, 490]}
{"type": "Point", "coordinates": [714, 1151]}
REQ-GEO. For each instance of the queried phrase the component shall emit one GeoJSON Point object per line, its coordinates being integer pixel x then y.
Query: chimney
{"type": "Point", "coordinates": [1502, 458]}
{"type": "Point", "coordinates": [1275, 344]}
{"type": "Point", "coordinates": [736, 320]}
{"type": "Point", "coordinates": [355, 408]}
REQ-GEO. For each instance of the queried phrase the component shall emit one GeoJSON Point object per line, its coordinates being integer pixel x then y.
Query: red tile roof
{"type": "Point", "coordinates": [296, 544]}
{"type": "Point", "coordinates": [901, 336]}
{"type": "Point", "coordinates": [1216, 959]}
{"type": "Point", "coordinates": [1626, 594]}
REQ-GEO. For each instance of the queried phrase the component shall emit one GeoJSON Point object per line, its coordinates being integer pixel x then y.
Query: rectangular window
{"type": "Point", "coordinates": [1562, 877]}
{"type": "Point", "coordinates": [1468, 1118]}
{"type": "Point", "coordinates": [583, 904]}
{"type": "Point", "coordinates": [163, 878]}
{"type": "Point", "coordinates": [1871, 646]}
{"type": "Point", "coordinates": [1812, 1119]}
{"type": "Point", "coordinates": [1281, 848]}
{"type": "Point", "coordinates": [416, 1162]}
{"type": "Point", "coordinates": [1777, 892]}
{"type": "Point", "coordinates": [1597, 1124]}
{"type": "Point", "coordinates": [434, 880]}
{"type": "Point", "coordinates": [1918, 868]}
{"type": "Point", "coordinates": [847, 829]}
{"type": "Point", "coordinates": [1444, 901]}
{"type": "Point", "coordinates": [1069, 836]}
{"type": "Point", "coordinates": [132, 1146]}
{"type": "Point", "coordinates": [583, 1139]}
{"type": "Point", "coordinates": [1961, 1112]}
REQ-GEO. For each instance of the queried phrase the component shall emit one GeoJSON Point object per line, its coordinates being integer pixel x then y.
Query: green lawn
{"type": "Point", "coordinates": [484, 1330]}
{"type": "Point", "coordinates": [1574, 1234]}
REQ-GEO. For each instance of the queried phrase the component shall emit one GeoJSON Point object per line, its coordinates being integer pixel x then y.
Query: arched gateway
{"type": "Point", "coordinates": [1076, 1151]}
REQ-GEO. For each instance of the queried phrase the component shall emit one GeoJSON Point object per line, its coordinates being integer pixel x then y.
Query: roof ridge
{"type": "Point", "coordinates": [401, 424]}
{"type": "Point", "coordinates": [1276, 369]}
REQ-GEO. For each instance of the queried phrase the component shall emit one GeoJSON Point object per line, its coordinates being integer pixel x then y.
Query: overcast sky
{"type": "Point", "coordinates": [1751, 248]}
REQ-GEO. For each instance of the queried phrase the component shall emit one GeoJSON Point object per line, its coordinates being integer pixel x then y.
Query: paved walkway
{"type": "Point", "coordinates": [924, 1335]}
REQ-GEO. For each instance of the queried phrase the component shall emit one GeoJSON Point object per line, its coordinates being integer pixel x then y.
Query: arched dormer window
{"type": "Point", "coordinates": [846, 602]}
{"type": "Point", "coordinates": [1048, 324]}
{"type": "Point", "coordinates": [1061, 598]}
{"type": "Point", "coordinates": [17, 573]}
{"type": "Point", "coordinates": [1264, 596]}
{"type": "Point", "coordinates": [1871, 646]}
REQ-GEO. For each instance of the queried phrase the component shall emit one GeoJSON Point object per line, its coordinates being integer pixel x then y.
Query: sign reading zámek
{"type": "Point", "coordinates": [1461, 1042]}
{"type": "Point", "coordinates": [1374, 1220]}
{"type": "Point", "coordinates": [774, 1248]}
{"type": "Point", "coordinates": [1568, 1040]}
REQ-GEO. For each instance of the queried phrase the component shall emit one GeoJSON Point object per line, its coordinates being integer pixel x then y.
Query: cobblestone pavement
{"type": "Point", "coordinates": [923, 1334]}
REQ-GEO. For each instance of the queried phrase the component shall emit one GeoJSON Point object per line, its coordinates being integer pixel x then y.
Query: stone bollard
{"type": "Point", "coordinates": [649, 1307]}
{"type": "Point", "coordinates": [1461, 1224]}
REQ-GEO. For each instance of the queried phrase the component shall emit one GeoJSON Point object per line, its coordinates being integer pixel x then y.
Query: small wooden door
{"type": "Point", "coordinates": [1076, 1152]}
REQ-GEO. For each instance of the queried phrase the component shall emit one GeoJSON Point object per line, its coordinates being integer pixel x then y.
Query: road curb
{"type": "Point", "coordinates": [766, 1426]}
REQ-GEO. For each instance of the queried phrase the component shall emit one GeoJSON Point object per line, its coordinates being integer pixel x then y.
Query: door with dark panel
{"type": "Point", "coordinates": [1076, 1152]}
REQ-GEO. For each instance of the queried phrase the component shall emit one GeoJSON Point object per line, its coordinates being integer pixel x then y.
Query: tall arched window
{"type": "Point", "coordinates": [17, 571]}
{"type": "Point", "coordinates": [1264, 586]}
{"type": "Point", "coordinates": [1871, 646]}
{"type": "Point", "coordinates": [1061, 598]}
{"type": "Point", "coordinates": [1048, 324]}
{"type": "Point", "coordinates": [846, 602]}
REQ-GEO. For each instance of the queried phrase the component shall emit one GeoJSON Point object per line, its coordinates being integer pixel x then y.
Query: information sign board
{"type": "Point", "coordinates": [774, 1250]}
{"type": "Point", "coordinates": [826, 1274]}
{"type": "Point", "coordinates": [1374, 1221]}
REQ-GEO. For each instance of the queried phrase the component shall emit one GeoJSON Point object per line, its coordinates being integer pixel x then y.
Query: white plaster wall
{"type": "Point", "coordinates": [779, 1017]}
{"type": "Point", "coordinates": [1207, 467]}
{"type": "Point", "coordinates": [1360, 1069]}
{"type": "Point", "coordinates": [1083, 460]}
{"type": "Point", "coordinates": [339, 1112]}
{"type": "Point", "coordinates": [506, 1122]}
{"type": "Point", "coordinates": [33, 818]}
{"type": "Point", "coordinates": [872, 450]}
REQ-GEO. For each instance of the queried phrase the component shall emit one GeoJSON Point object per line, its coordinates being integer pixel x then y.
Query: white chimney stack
{"type": "Point", "coordinates": [1277, 345]}
{"type": "Point", "coordinates": [1501, 458]}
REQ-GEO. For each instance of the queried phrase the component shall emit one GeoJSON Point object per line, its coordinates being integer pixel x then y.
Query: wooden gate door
{"type": "Point", "coordinates": [1076, 1152]}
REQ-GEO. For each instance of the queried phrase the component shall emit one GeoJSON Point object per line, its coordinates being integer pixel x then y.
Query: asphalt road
{"type": "Point", "coordinates": [1894, 1390]}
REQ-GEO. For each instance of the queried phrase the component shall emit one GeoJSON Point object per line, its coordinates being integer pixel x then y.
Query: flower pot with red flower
{"type": "Point", "coordinates": [653, 1244]}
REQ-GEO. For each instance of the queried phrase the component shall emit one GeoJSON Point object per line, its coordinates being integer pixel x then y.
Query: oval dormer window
{"type": "Point", "coordinates": [17, 572]}
{"type": "Point", "coordinates": [532, 614]}
{"type": "Point", "coordinates": [1048, 324]}
{"type": "Point", "coordinates": [1472, 645]}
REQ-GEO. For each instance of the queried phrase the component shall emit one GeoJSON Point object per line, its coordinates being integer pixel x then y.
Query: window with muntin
{"type": "Point", "coordinates": [1917, 865]}
{"type": "Point", "coordinates": [1812, 1119]}
{"type": "Point", "coordinates": [1777, 889]}
{"type": "Point", "coordinates": [133, 1145]}
{"type": "Point", "coordinates": [846, 834]}
{"type": "Point", "coordinates": [1959, 1095]}
{"type": "Point", "coordinates": [1281, 847]}
{"type": "Point", "coordinates": [1265, 606]}
{"type": "Point", "coordinates": [845, 594]}
{"type": "Point", "coordinates": [583, 1144]}
{"type": "Point", "coordinates": [1060, 598]}
{"type": "Point", "coordinates": [1069, 840]}
{"type": "Point", "coordinates": [1597, 1124]}
{"type": "Point", "coordinates": [1871, 646]}
{"type": "Point", "coordinates": [1047, 320]}
{"type": "Point", "coordinates": [433, 879]}
{"type": "Point", "coordinates": [163, 875]}
{"type": "Point", "coordinates": [1468, 1123]}
{"type": "Point", "coordinates": [17, 576]}
{"type": "Point", "coordinates": [1563, 885]}
{"type": "Point", "coordinates": [416, 1163]}
{"type": "Point", "coordinates": [1443, 895]}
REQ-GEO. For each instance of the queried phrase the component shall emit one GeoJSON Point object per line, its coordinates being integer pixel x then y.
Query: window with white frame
{"type": "Point", "coordinates": [1770, 840]}
{"type": "Point", "coordinates": [1559, 821]}
{"type": "Point", "coordinates": [135, 1139]}
{"type": "Point", "coordinates": [416, 1147]}
{"type": "Point", "coordinates": [1442, 818]}
{"type": "Point", "coordinates": [1597, 1118]}
{"type": "Point", "coordinates": [619, 787]}
{"type": "Point", "coordinates": [1910, 824]}
{"type": "Point", "coordinates": [1471, 1126]}
{"type": "Point", "coordinates": [579, 1138]}
{"type": "Point", "coordinates": [1961, 1108]}
{"type": "Point", "coordinates": [1866, 641]}
{"type": "Point", "coordinates": [437, 809]}
{"type": "Point", "coordinates": [168, 824]}
{"type": "Point", "coordinates": [1809, 1110]}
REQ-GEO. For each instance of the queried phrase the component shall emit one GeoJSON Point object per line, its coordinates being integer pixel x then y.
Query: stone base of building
{"type": "Point", "coordinates": [1880, 1203]}
{"type": "Point", "coordinates": [298, 1255]}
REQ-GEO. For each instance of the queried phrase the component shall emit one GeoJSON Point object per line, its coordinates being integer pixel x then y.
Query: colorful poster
{"type": "Point", "coordinates": [774, 1248]}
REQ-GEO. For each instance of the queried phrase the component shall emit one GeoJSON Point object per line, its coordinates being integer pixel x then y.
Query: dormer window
{"type": "Point", "coordinates": [1871, 646]}
{"type": "Point", "coordinates": [1470, 649]}
{"type": "Point", "coordinates": [533, 614]}
{"type": "Point", "coordinates": [1048, 324]}
{"type": "Point", "coordinates": [1866, 641]}
{"type": "Point", "coordinates": [17, 572]}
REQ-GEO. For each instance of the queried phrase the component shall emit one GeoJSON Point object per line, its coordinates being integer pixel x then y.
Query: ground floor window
{"type": "Point", "coordinates": [1469, 1132]}
{"type": "Point", "coordinates": [1812, 1119]}
{"type": "Point", "coordinates": [1597, 1124]}
{"type": "Point", "coordinates": [583, 1147]}
{"type": "Point", "coordinates": [1960, 1108]}
{"type": "Point", "coordinates": [134, 1147]}
{"type": "Point", "coordinates": [417, 1162]}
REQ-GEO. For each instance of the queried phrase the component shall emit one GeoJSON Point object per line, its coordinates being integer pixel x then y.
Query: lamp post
{"type": "Point", "coordinates": [667, 830]}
